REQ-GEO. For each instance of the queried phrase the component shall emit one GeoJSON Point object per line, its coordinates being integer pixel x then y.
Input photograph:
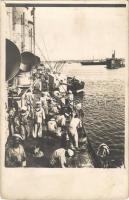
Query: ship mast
{"type": "Point", "coordinates": [34, 28]}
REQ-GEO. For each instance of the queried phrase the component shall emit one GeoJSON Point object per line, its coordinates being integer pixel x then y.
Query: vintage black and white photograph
{"type": "Point", "coordinates": [65, 77]}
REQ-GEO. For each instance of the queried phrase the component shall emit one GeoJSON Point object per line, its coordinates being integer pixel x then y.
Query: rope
{"type": "Point", "coordinates": [48, 62]}
{"type": "Point", "coordinates": [43, 55]}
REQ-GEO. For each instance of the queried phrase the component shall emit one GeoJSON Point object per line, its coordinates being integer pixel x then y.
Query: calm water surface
{"type": "Point", "coordinates": [104, 106]}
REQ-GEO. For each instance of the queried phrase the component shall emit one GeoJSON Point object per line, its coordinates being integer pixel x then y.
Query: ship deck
{"type": "Point", "coordinates": [84, 156]}
{"type": "Point", "coordinates": [48, 144]}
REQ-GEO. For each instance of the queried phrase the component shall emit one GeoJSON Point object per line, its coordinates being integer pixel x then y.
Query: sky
{"type": "Point", "coordinates": [81, 33]}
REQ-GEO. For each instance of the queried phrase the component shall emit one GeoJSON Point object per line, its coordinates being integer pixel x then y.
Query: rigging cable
{"type": "Point", "coordinates": [48, 62]}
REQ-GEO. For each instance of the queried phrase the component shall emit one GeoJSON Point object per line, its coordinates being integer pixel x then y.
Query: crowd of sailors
{"type": "Point", "coordinates": [43, 114]}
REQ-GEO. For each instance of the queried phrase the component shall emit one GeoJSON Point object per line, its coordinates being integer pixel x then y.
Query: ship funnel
{"type": "Point", "coordinates": [13, 60]}
{"type": "Point", "coordinates": [28, 60]}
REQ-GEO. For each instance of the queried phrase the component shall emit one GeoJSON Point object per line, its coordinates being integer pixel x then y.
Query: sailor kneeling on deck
{"type": "Point", "coordinates": [59, 158]}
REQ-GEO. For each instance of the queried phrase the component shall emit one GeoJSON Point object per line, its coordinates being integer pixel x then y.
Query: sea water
{"type": "Point", "coordinates": [104, 106]}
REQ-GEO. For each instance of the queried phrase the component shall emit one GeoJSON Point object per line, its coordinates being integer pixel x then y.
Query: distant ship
{"type": "Point", "coordinates": [114, 63]}
{"type": "Point", "coordinates": [111, 63]}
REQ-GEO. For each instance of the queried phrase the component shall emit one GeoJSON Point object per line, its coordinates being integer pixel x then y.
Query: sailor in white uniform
{"type": "Point", "coordinates": [74, 124]}
{"type": "Point", "coordinates": [52, 126]}
{"type": "Point", "coordinates": [39, 117]}
{"type": "Point", "coordinates": [70, 98]}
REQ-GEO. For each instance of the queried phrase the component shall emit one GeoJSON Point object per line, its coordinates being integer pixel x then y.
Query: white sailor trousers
{"type": "Point", "coordinates": [37, 130]}
{"type": "Point", "coordinates": [74, 134]}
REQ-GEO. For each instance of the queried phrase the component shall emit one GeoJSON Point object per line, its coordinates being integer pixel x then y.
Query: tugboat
{"type": "Point", "coordinates": [114, 63]}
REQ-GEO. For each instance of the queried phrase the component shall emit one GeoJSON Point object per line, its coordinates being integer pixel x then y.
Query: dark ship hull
{"type": "Point", "coordinates": [93, 63]}
{"type": "Point", "coordinates": [114, 63]}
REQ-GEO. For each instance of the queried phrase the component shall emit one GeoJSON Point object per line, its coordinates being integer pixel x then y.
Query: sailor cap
{"type": "Point", "coordinates": [24, 108]}
{"type": "Point", "coordinates": [70, 152]}
{"type": "Point", "coordinates": [69, 92]}
{"type": "Point", "coordinates": [38, 102]}
{"type": "Point", "coordinates": [52, 119]}
{"type": "Point", "coordinates": [18, 136]}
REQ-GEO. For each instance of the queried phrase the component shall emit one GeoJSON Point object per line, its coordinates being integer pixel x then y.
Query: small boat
{"type": "Point", "coordinates": [75, 85]}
